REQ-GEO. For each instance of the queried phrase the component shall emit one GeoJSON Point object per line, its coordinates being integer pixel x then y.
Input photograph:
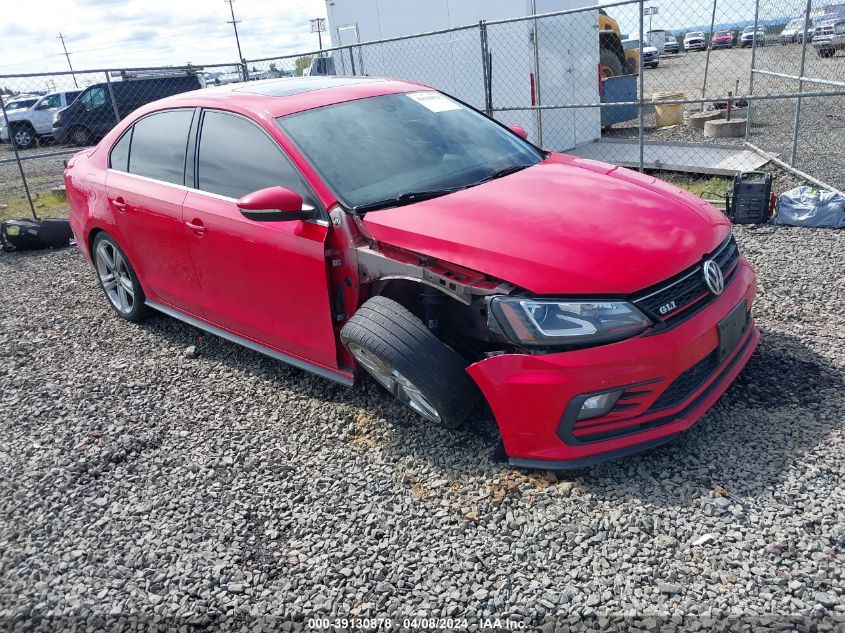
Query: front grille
{"type": "Point", "coordinates": [679, 297]}
{"type": "Point", "coordinates": [687, 383]}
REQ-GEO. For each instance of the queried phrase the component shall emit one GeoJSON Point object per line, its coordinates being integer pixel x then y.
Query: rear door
{"type": "Point", "coordinates": [145, 187]}
{"type": "Point", "coordinates": [265, 281]}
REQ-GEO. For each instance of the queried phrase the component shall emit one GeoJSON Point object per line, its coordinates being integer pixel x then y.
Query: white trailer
{"type": "Point", "coordinates": [562, 68]}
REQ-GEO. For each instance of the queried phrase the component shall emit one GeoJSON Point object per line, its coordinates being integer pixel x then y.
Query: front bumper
{"type": "Point", "coordinates": [529, 394]}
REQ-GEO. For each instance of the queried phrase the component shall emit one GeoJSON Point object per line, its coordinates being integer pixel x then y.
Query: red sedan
{"type": "Point", "coordinates": [348, 225]}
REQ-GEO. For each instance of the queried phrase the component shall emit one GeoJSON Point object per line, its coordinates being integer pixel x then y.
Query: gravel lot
{"type": "Point", "coordinates": [149, 473]}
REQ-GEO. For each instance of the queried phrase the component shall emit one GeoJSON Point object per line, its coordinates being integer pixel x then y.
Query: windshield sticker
{"type": "Point", "coordinates": [434, 101]}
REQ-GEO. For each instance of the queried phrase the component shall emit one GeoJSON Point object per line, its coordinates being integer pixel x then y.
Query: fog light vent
{"type": "Point", "coordinates": [598, 404]}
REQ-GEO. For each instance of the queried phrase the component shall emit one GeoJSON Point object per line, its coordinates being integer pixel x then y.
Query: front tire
{"type": "Point", "coordinates": [81, 136]}
{"type": "Point", "coordinates": [118, 279]}
{"type": "Point", "coordinates": [23, 136]}
{"type": "Point", "coordinates": [408, 360]}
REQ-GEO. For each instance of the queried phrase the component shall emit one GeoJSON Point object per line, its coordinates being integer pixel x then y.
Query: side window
{"type": "Point", "coordinates": [236, 158]}
{"type": "Point", "coordinates": [94, 98]}
{"type": "Point", "coordinates": [119, 156]}
{"type": "Point", "coordinates": [53, 101]}
{"type": "Point", "coordinates": [159, 143]}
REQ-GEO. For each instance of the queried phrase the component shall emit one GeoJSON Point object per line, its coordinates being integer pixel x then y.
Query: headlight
{"type": "Point", "coordinates": [544, 322]}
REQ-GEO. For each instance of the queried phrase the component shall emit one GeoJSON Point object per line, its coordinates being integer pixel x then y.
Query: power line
{"type": "Point", "coordinates": [69, 65]}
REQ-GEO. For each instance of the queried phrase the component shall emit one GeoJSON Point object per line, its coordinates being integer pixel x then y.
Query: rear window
{"type": "Point", "coordinates": [159, 145]}
{"type": "Point", "coordinates": [119, 156]}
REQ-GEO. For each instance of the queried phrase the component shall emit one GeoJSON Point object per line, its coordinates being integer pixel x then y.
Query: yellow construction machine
{"type": "Point", "coordinates": [614, 59]}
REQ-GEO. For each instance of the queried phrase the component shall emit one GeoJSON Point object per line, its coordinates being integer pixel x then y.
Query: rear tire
{"type": "Point", "coordinates": [408, 360]}
{"type": "Point", "coordinates": [610, 64]}
{"type": "Point", "coordinates": [118, 280]}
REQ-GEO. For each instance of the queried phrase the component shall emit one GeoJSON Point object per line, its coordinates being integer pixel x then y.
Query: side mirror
{"type": "Point", "coordinates": [274, 204]}
{"type": "Point", "coordinates": [518, 130]}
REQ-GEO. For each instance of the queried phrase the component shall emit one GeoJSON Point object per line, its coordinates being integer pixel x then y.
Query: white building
{"type": "Point", "coordinates": [561, 69]}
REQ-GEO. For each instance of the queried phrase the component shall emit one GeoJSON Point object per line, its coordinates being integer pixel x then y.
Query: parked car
{"type": "Point", "coordinates": [791, 31]}
{"type": "Point", "coordinates": [18, 103]}
{"type": "Point", "coordinates": [671, 45]}
{"type": "Point", "coordinates": [94, 113]}
{"type": "Point", "coordinates": [651, 56]}
{"type": "Point", "coordinates": [817, 21]}
{"type": "Point", "coordinates": [694, 41]}
{"type": "Point", "coordinates": [750, 35]}
{"type": "Point", "coordinates": [29, 124]}
{"type": "Point", "coordinates": [722, 39]}
{"type": "Point", "coordinates": [597, 311]}
{"type": "Point", "coordinates": [829, 38]}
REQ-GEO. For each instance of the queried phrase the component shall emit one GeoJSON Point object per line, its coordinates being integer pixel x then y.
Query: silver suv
{"type": "Point", "coordinates": [36, 121]}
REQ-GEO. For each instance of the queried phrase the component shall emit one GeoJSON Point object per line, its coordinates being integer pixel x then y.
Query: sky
{"type": "Point", "coordinates": [126, 33]}
{"type": "Point", "coordinates": [115, 33]}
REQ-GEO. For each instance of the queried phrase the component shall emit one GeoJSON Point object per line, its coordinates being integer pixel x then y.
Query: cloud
{"type": "Point", "coordinates": [127, 33]}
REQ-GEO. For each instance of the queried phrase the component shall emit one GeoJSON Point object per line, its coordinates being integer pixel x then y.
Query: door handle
{"type": "Point", "coordinates": [119, 203]}
{"type": "Point", "coordinates": [196, 226]}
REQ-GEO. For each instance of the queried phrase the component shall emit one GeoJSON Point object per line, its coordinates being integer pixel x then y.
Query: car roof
{"type": "Point", "coordinates": [278, 97]}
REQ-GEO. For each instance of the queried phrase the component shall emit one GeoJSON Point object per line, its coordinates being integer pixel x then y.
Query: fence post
{"type": "Point", "coordinates": [707, 60]}
{"type": "Point", "coordinates": [17, 157]}
{"type": "Point", "coordinates": [751, 72]}
{"type": "Point", "coordinates": [352, 60]}
{"type": "Point", "coordinates": [111, 98]}
{"type": "Point", "coordinates": [795, 129]}
{"type": "Point", "coordinates": [245, 69]}
{"type": "Point", "coordinates": [485, 68]}
{"type": "Point", "coordinates": [535, 37]}
{"type": "Point", "coordinates": [641, 100]}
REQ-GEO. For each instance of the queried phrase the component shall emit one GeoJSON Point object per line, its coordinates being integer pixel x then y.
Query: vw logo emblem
{"type": "Point", "coordinates": [713, 277]}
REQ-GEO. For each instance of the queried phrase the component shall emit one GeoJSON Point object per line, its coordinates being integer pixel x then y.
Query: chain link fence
{"type": "Point", "coordinates": [49, 116]}
{"type": "Point", "coordinates": [731, 86]}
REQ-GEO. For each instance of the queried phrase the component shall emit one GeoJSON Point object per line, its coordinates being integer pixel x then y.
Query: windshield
{"type": "Point", "coordinates": [389, 147]}
{"type": "Point", "coordinates": [695, 34]}
{"type": "Point", "coordinates": [19, 105]}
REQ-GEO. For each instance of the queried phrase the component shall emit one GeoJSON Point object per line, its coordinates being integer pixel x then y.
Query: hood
{"type": "Point", "coordinates": [564, 226]}
{"type": "Point", "coordinates": [15, 115]}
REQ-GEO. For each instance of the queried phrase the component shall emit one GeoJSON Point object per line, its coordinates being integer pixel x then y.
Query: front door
{"type": "Point", "coordinates": [265, 281]}
{"type": "Point", "coordinates": [145, 188]}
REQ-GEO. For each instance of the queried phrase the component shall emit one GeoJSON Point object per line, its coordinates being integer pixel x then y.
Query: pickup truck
{"type": "Point", "coordinates": [829, 37]}
{"type": "Point", "coordinates": [29, 124]}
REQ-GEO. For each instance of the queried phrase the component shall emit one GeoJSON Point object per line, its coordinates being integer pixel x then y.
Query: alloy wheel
{"type": "Point", "coordinates": [397, 384]}
{"type": "Point", "coordinates": [115, 277]}
{"type": "Point", "coordinates": [23, 137]}
{"type": "Point", "coordinates": [81, 136]}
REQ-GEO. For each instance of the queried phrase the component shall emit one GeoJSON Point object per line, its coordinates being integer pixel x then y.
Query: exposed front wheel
{"type": "Point", "coordinates": [407, 359]}
{"type": "Point", "coordinates": [118, 279]}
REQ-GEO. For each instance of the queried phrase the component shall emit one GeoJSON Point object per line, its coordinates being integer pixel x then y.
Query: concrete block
{"type": "Point", "coordinates": [723, 129]}
{"type": "Point", "coordinates": [697, 120]}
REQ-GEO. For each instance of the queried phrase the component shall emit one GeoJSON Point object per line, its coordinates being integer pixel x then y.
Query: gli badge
{"type": "Point", "coordinates": [666, 308]}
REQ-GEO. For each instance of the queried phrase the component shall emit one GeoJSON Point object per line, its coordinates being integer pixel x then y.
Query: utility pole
{"type": "Point", "coordinates": [234, 24]}
{"type": "Point", "coordinates": [318, 25]}
{"type": "Point", "coordinates": [68, 60]}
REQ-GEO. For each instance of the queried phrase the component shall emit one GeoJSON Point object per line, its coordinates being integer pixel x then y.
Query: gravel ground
{"type": "Point", "coordinates": [151, 474]}
{"type": "Point", "coordinates": [41, 173]}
